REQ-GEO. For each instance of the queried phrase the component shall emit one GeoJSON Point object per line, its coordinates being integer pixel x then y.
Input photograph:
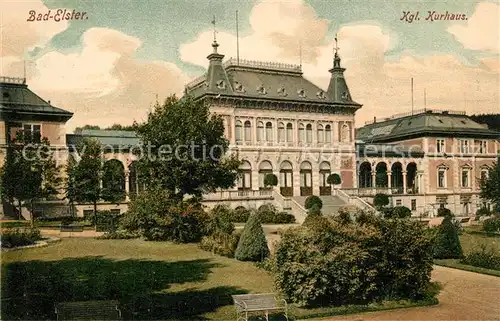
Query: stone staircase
{"type": "Point", "coordinates": [331, 204]}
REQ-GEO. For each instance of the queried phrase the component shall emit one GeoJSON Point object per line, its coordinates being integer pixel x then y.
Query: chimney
{"type": "Point", "coordinates": [374, 119]}
{"type": "Point", "coordinates": [48, 102]}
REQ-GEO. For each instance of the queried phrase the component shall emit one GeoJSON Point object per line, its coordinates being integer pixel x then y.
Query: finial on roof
{"type": "Point", "coordinates": [336, 60]}
{"type": "Point", "coordinates": [215, 44]}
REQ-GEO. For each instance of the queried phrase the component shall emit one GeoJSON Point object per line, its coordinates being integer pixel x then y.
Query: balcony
{"type": "Point", "coordinates": [264, 194]}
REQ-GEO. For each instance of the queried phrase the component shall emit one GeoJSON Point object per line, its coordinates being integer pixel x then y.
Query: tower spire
{"type": "Point", "coordinates": [336, 58]}
{"type": "Point", "coordinates": [214, 43]}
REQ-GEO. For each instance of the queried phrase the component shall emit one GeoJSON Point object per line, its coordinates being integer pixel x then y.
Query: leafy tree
{"type": "Point", "coordinates": [31, 170]}
{"type": "Point", "coordinates": [313, 200]}
{"type": "Point", "coordinates": [187, 147]}
{"type": "Point", "coordinates": [270, 180]}
{"type": "Point", "coordinates": [444, 212]}
{"type": "Point", "coordinates": [113, 179]}
{"type": "Point", "coordinates": [85, 177]}
{"type": "Point", "coordinates": [397, 212]}
{"type": "Point", "coordinates": [334, 179]}
{"type": "Point", "coordinates": [252, 245]}
{"type": "Point", "coordinates": [380, 200]}
{"type": "Point", "coordinates": [490, 187]}
{"type": "Point", "coordinates": [79, 129]}
{"type": "Point", "coordinates": [121, 127]}
{"type": "Point", "coordinates": [492, 120]}
{"type": "Point", "coordinates": [447, 244]}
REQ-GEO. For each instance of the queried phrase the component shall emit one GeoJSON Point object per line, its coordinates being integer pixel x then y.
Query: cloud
{"type": "Point", "coordinates": [381, 84]}
{"type": "Point", "coordinates": [18, 35]}
{"type": "Point", "coordinates": [482, 29]}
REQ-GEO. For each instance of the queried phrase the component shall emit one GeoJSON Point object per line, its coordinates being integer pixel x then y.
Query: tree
{"type": "Point", "coordinates": [187, 149]}
{"type": "Point", "coordinates": [270, 180]}
{"type": "Point", "coordinates": [252, 245]}
{"type": "Point", "coordinates": [397, 212]}
{"type": "Point", "coordinates": [113, 179]}
{"type": "Point", "coordinates": [447, 244]}
{"type": "Point", "coordinates": [313, 201]}
{"type": "Point", "coordinates": [85, 177]}
{"type": "Point", "coordinates": [490, 187]}
{"type": "Point", "coordinates": [380, 200]}
{"type": "Point", "coordinates": [334, 179]}
{"type": "Point", "coordinates": [79, 129]}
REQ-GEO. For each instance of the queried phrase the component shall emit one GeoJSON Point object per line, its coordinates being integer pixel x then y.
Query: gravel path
{"type": "Point", "coordinates": [464, 296]}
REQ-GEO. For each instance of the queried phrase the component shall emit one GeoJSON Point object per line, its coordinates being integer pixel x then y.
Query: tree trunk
{"type": "Point", "coordinates": [20, 210]}
{"type": "Point", "coordinates": [95, 215]}
{"type": "Point", "coordinates": [32, 212]}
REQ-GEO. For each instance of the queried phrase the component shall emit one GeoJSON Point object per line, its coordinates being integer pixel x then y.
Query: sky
{"type": "Point", "coordinates": [111, 66]}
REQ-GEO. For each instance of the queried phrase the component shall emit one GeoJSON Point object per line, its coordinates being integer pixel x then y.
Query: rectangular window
{"type": "Point", "coordinates": [440, 147]}
{"type": "Point", "coordinates": [398, 202]}
{"type": "Point", "coordinates": [32, 132]}
{"type": "Point", "coordinates": [464, 146]}
{"type": "Point", "coordinates": [481, 146]}
{"type": "Point", "coordinates": [441, 178]}
{"type": "Point", "coordinates": [414, 205]}
{"type": "Point", "coordinates": [465, 178]}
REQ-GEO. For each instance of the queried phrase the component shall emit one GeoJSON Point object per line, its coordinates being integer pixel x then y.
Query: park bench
{"type": "Point", "coordinates": [88, 310]}
{"type": "Point", "coordinates": [250, 303]}
{"type": "Point", "coordinates": [71, 228]}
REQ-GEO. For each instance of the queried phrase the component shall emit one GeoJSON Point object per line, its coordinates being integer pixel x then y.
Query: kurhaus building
{"type": "Point", "coordinates": [278, 122]}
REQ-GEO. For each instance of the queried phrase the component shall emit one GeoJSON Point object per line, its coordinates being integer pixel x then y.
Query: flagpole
{"type": "Point", "coordinates": [237, 41]}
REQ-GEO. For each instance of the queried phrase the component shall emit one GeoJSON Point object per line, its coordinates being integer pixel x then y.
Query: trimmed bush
{"type": "Point", "coordinates": [344, 216]}
{"type": "Point", "coordinates": [340, 264]}
{"type": "Point", "coordinates": [270, 180]}
{"type": "Point", "coordinates": [397, 212]}
{"type": "Point", "coordinates": [20, 237]}
{"type": "Point", "coordinates": [117, 235]}
{"type": "Point", "coordinates": [492, 225]}
{"type": "Point", "coordinates": [334, 179]}
{"type": "Point", "coordinates": [313, 200]}
{"type": "Point", "coordinates": [447, 245]}
{"type": "Point", "coordinates": [483, 258]}
{"type": "Point", "coordinates": [252, 245]}
{"type": "Point", "coordinates": [444, 212]}
{"type": "Point", "coordinates": [380, 200]}
{"type": "Point", "coordinates": [268, 214]}
{"type": "Point", "coordinates": [221, 244]}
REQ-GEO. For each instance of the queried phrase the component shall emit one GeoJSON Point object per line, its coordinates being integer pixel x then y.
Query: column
{"type": "Point", "coordinates": [374, 179]}
{"type": "Point", "coordinates": [404, 182]}
{"type": "Point", "coordinates": [389, 180]}
{"type": "Point", "coordinates": [127, 189]}
{"type": "Point", "coordinates": [233, 130]}
{"type": "Point", "coordinates": [315, 179]}
{"type": "Point", "coordinates": [254, 132]}
{"type": "Point", "coordinates": [335, 129]}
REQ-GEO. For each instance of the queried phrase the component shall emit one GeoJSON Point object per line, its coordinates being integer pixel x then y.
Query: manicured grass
{"type": "Point", "coordinates": [172, 281]}
{"type": "Point", "coordinates": [455, 263]}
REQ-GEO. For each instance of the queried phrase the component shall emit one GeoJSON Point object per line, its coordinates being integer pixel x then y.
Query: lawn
{"type": "Point", "coordinates": [152, 281]}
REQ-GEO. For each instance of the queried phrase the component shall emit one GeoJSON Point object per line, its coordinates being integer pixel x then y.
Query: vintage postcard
{"type": "Point", "coordinates": [249, 159]}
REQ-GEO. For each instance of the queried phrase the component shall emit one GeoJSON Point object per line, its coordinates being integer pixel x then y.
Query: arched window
{"type": "Point", "coordinates": [239, 131]}
{"type": "Point", "coordinates": [466, 176]}
{"type": "Point", "coordinates": [265, 168]}
{"type": "Point", "coordinates": [328, 134]}
{"type": "Point", "coordinates": [321, 134]}
{"type": "Point", "coordinates": [248, 131]}
{"type": "Point", "coordinates": [441, 177]}
{"type": "Point", "coordinates": [245, 176]}
{"type": "Point", "coordinates": [289, 132]}
{"type": "Point", "coordinates": [305, 179]}
{"type": "Point", "coordinates": [309, 133]}
{"type": "Point", "coordinates": [281, 132]}
{"type": "Point", "coordinates": [286, 179]}
{"type": "Point", "coordinates": [269, 132]}
{"type": "Point", "coordinates": [260, 131]}
{"type": "Point", "coordinates": [324, 172]}
{"type": "Point", "coordinates": [345, 133]}
{"type": "Point", "coordinates": [302, 133]}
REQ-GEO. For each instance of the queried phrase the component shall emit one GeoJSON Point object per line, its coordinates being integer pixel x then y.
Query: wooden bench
{"type": "Point", "coordinates": [71, 228]}
{"type": "Point", "coordinates": [89, 310]}
{"type": "Point", "coordinates": [267, 302]}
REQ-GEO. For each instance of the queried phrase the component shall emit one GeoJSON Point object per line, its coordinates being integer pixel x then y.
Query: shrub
{"type": "Point", "coordinates": [344, 216]}
{"type": "Point", "coordinates": [380, 200]}
{"type": "Point", "coordinates": [238, 215]}
{"type": "Point", "coordinates": [252, 245]}
{"type": "Point", "coordinates": [353, 264]}
{"type": "Point", "coordinates": [268, 214]}
{"type": "Point", "coordinates": [483, 211]}
{"type": "Point", "coordinates": [397, 212]}
{"type": "Point", "coordinates": [117, 235]}
{"type": "Point", "coordinates": [107, 221]}
{"type": "Point", "coordinates": [334, 179]}
{"type": "Point", "coordinates": [221, 244]}
{"type": "Point", "coordinates": [483, 258]}
{"type": "Point", "coordinates": [313, 200]}
{"type": "Point", "coordinates": [447, 245]}
{"type": "Point", "coordinates": [20, 237]}
{"type": "Point", "coordinates": [270, 180]}
{"type": "Point", "coordinates": [156, 217]}
{"type": "Point", "coordinates": [492, 225]}
{"type": "Point", "coordinates": [444, 212]}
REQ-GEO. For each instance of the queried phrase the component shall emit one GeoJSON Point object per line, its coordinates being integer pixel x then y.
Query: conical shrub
{"type": "Point", "coordinates": [253, 244]}
{"type": "Point", "coordinates": [447, 244]}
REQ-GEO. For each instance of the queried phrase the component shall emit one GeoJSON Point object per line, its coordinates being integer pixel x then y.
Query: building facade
{"type": "Point", "coordinates": [279, 122]}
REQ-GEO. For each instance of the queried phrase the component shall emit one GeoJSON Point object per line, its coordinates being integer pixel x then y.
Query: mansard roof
{"type": "Point", "coordinates": [266, 81]}
{"type": "Point", "coordinates": [424, 123]}
{"type": "Point", "coordinates": [17, 101]}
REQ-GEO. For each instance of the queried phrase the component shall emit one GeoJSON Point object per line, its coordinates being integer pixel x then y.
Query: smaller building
{"type": "Point", "coordinates": [426, 160]}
